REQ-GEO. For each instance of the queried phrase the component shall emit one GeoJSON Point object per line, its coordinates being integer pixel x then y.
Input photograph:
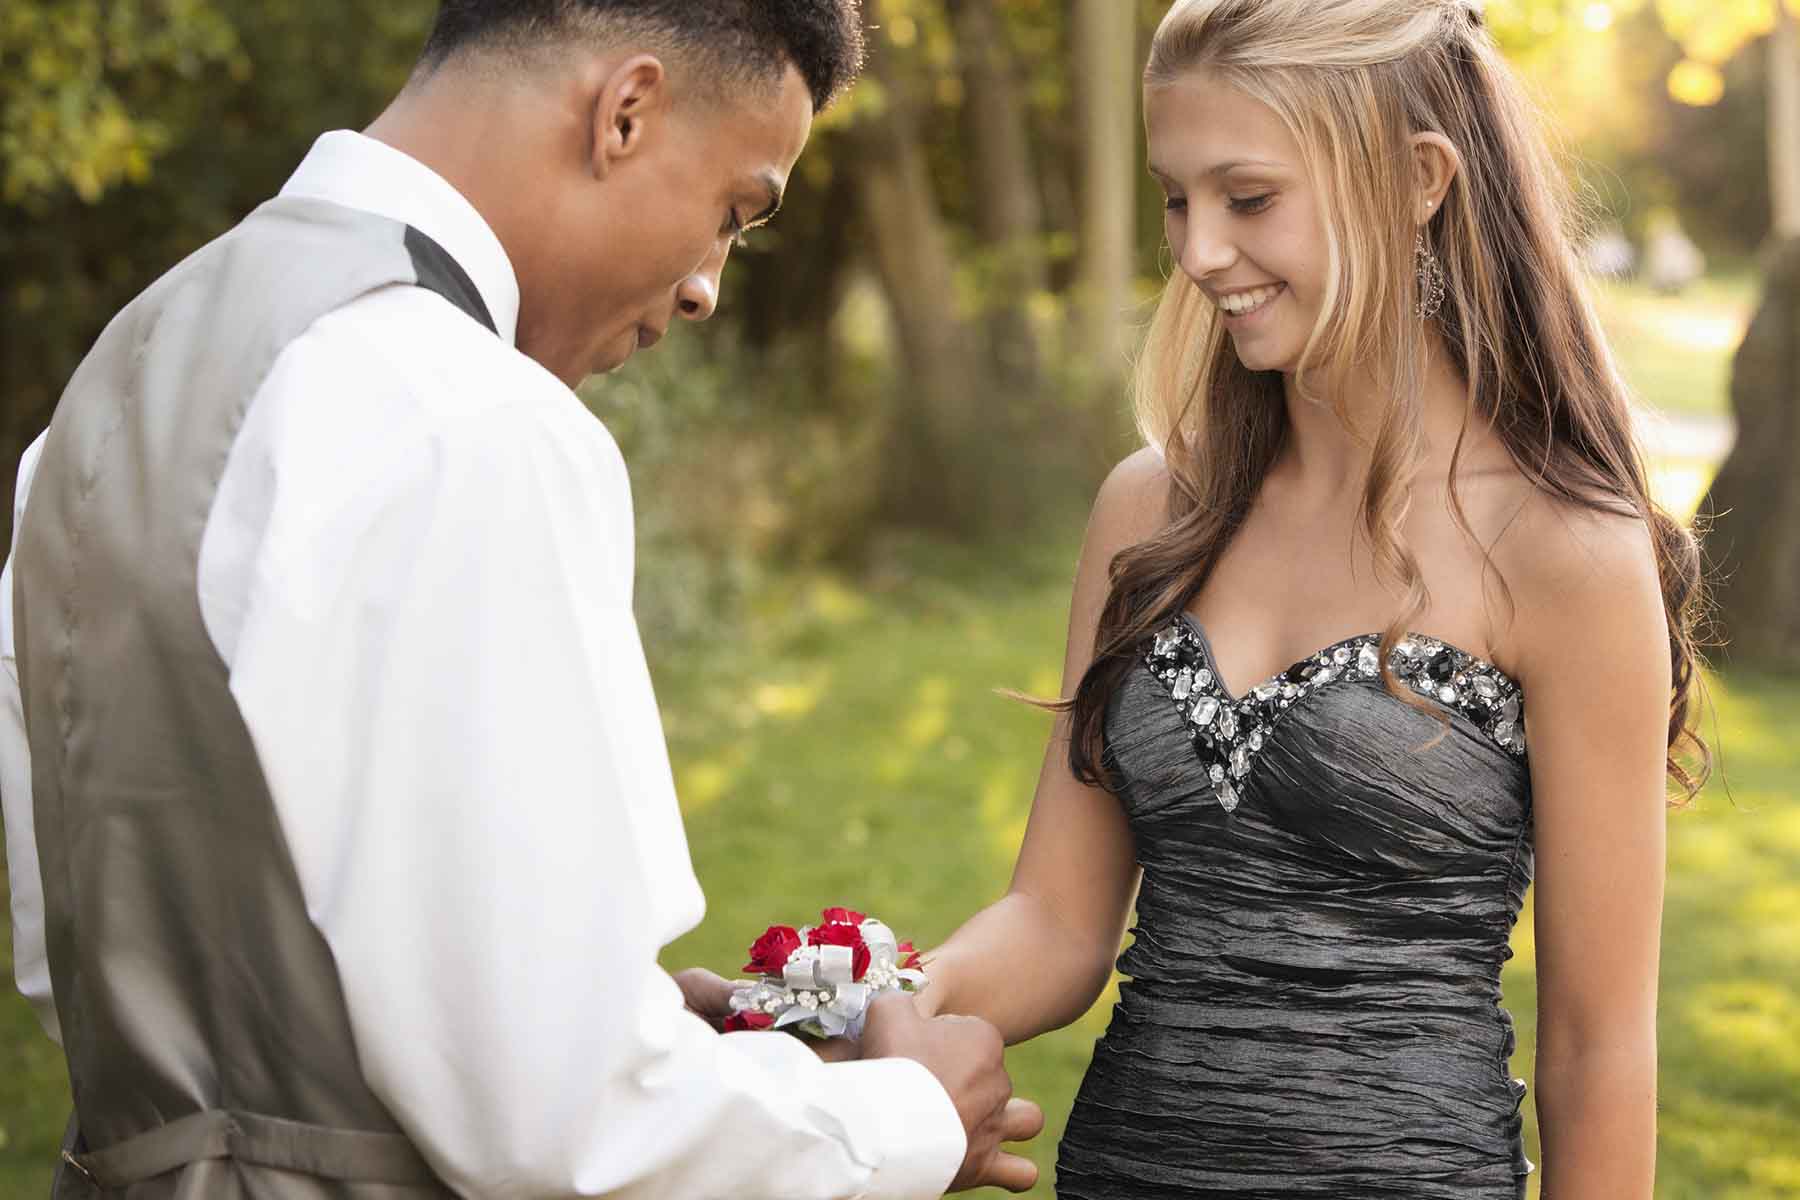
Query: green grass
{"type": "Point", "coordinates": [34, 1089]}
{"type": "Point", "coordinates": [856, 732]}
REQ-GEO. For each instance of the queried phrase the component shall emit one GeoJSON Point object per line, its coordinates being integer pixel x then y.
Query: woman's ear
{"type": "Point", "coordinates": [628, 102]}
{"type": "Point", "coordinates": [1435, 165]}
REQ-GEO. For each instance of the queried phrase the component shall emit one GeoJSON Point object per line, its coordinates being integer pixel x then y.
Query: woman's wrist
{"type": "Point", "coordinates": [933, 999]}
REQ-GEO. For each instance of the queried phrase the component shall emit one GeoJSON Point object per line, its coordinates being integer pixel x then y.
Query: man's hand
{"type": "Point", "coordinates": [706, 995]}
{"type": "Point", "coordinates": [967, 1056]}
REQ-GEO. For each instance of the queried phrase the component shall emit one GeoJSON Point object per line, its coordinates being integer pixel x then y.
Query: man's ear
{"type": "Point", "coordinates": [631, 100]}
{"type": "Point", "coordinates": [1435, 165]}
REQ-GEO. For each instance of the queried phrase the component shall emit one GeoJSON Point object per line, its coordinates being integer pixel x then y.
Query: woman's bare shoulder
{"type": "Point", "coordinates": [1133, 504]}
{"type": "Point", "coordinates": [1580, 575]}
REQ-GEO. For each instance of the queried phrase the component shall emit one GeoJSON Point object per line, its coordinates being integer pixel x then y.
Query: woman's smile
{"type": "Point", "coordinates": [1242, 307]}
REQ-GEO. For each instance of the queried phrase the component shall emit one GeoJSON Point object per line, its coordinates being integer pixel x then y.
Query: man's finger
{"type": "Point", "coordinates": [1011, 1172]}
{"type": "Point", "coordinates": [1021, 1120]}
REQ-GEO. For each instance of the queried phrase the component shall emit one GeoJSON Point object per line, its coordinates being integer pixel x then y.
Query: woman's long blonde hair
{"type": "Point", "coordinates": [1354, 81]}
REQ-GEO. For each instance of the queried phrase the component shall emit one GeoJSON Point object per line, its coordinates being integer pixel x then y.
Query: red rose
{"type": "Point", "coordinates": [909, 958]}
{"type": "Point", "coordinates": [845, 935]}
{"type": "Point", "coordinates": [738, 1022]}
{"type": "Point", "coordinates": [770, 953]}
{"type": "Point", "coordinates": [842, 916]}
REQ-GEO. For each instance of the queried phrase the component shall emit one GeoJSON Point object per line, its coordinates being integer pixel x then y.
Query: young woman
{"type": "Point", "coordinates": [1381, 619]}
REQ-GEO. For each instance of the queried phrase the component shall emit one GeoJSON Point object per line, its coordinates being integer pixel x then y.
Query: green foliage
{"type": "Point", "coordinates": [1709, 31]}
{"type": "Point", "coordinates": [91, 90]}
{"type": "Point", "coordinates": [1603, 86]}
{"type": "Point", "coordinates": [1716, 158]}
{"type": "Point", "coordinates": [737, 467]}
{"type": "Point", "coordinates": [1712, 31]}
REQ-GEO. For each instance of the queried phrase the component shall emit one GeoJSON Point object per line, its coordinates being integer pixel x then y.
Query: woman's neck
{"type": "Point", "coordinates": [1326, 459]}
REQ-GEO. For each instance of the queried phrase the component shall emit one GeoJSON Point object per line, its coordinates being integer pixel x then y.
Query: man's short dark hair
{"type": "Point", "coordinates": [734, 41]}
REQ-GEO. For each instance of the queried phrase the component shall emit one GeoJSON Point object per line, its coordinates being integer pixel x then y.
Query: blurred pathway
{"type": "Point", "coordinates": [1683, 452]}
{"type": "Point", "coordinates": [1685, 437]}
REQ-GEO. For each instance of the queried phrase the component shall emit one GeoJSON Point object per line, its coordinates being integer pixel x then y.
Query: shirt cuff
{"type": "Point", "coordinates": [911, 1125]}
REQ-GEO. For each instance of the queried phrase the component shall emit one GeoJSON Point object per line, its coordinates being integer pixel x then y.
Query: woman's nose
{"type": "Point", "coordinates": [1204, 254]}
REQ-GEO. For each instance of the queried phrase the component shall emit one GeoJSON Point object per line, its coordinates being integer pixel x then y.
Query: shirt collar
{"type": "Point", "coordinates": [359, 172]}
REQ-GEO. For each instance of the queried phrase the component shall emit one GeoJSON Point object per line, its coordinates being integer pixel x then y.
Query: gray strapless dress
{"type": "Point", "coordinates": [1330, 880]}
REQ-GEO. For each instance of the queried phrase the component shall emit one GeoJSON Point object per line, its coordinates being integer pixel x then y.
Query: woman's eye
{"type": "Point", "coordinates": [1176, 203]}
{"type": "Point", "coordinates": [1251, 204]}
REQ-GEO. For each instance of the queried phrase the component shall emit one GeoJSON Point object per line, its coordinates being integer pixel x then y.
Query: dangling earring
{"type": "Point", "coordinates": [1433, 283]}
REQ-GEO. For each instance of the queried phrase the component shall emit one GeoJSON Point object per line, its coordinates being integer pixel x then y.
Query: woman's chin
{"type": "Point", "coordinates": [1264, 358]}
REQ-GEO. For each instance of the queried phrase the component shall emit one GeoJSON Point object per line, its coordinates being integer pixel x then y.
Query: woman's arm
{"type": "Point", "coordinates": [1038, 958]}
{"type": "Point", "coordinates": [1594, 661]}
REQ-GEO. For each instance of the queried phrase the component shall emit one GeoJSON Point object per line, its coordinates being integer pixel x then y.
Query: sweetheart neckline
{"type": "Point", "coordinates": [1199, 630]}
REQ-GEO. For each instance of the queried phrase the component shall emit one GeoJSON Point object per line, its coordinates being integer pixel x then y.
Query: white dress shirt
{"type": "Point", "coordinates": [418, 570]}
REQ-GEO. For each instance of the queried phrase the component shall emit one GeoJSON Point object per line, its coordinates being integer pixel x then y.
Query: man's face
{"type": "Point", "coordinates": [664, 221]}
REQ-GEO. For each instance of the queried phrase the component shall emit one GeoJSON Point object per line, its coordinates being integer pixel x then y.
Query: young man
{"type": "Point", "coordinates": [340, 821]}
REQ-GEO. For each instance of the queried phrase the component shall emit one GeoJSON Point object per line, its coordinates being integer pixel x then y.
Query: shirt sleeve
{"type": "Point", "coordinates": [31, 962]}
{"type": "Point", "coordinates": [443, 680]}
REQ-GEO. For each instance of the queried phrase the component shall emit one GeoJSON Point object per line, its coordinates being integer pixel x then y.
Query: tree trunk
{"type": "Point", "coordinates": [1754, 503]}
{"type": "Point", "coordinates": [934, 474]}
{"type": "Point", "coordinates": [1784, 121]}
{"type": "Point", "coordinates": [1104, 40]}
{"type": "Point", "coordinates": [1009, 218]}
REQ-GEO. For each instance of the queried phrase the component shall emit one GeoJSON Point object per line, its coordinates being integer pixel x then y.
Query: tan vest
{"type": "Point", "coordinates": [209, 1049]}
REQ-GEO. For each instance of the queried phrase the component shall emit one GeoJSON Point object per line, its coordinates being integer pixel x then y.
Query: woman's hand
{"type": "Point", "coordinates": [706, 995]}
{"type": "Point", "coordinates": [833, 1050]}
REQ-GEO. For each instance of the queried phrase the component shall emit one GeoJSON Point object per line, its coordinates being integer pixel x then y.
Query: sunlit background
{"type": "Point", "coordinates": [861, 487]}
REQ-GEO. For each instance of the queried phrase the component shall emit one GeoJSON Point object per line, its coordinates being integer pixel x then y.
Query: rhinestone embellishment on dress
{"type": "Point", "coordinates": [1228, 733]}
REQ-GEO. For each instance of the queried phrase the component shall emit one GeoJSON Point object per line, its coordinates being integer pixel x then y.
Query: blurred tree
{"type": "Point", "coordinates": [1716, 156]}
{"type": "Point", "coordinates": [942, 303]}
{"type": "Point", "coordinates": [1106, 69]}
{"type": "Point", "coordinates": [1670, 101]}
{"type": "Point", "coordinates": [1009, 221]}
{"type": "Point", "coordinates": [1784, 122]}
{"type": "Point", "coordinates": [132, 131]}
{"type": "Point", "coordinates": [1711, 32]}
{"type": "Point", "coordinates": [1754, 503]}
{"type": "Point", "coordinates": [934, 477]}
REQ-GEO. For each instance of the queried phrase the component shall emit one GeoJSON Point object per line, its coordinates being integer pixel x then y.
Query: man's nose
{"type": "Point", "coordinates": [697, 297]}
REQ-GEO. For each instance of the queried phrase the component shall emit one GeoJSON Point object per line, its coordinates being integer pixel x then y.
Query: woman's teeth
{"type": "Point", "coordinates": [1240, 304]}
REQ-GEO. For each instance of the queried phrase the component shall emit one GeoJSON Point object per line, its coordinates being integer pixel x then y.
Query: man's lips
{"type": "Point", "coordinates": [648, 337]}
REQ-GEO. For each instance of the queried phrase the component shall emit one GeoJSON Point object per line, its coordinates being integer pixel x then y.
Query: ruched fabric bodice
{"type": "Point", "coordinates": [1330, 878]}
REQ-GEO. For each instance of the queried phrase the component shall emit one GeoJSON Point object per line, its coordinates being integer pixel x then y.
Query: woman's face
{"type": "Point", "coordinates": [1243, 216]}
